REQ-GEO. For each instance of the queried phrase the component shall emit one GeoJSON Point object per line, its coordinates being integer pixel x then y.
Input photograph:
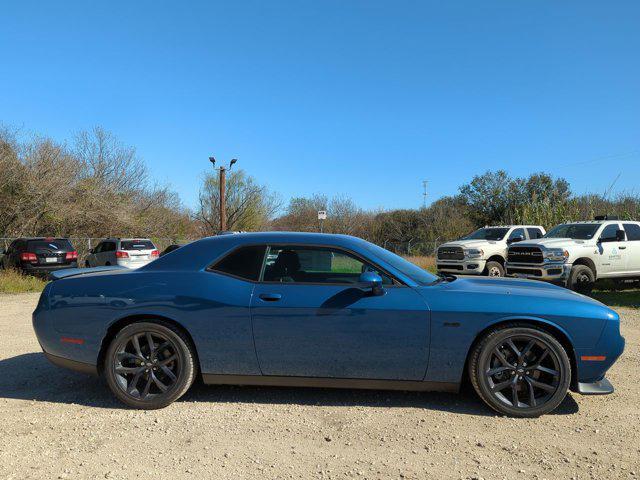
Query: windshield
{"type": "Point", "coordinates": [577, 231]}
{"type": "Point", "coordinates": [136, 245]}
{"type": "Point", "coordinates": [407, 268]}
{"type": "Point", "coordinates": [487, 234]}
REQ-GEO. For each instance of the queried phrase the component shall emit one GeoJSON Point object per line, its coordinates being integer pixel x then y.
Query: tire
{"type": "Point", "coordinates": [581, 279]}
{"type": "Point", "coordinates": [509, 389]}
{"type": "Point", "coordinates": [147, 378]}
{"type": "Point", "coordinates": [494, 269]}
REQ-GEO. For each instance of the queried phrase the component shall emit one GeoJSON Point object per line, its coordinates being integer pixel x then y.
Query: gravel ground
{"type": "Point", "coordinates": [58, 424]}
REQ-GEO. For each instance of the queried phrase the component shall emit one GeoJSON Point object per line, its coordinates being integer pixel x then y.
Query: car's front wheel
{"type": "Point", "coordinates": [494, 269]}
{"type": "Point", "coordinates": [149, 365]}
{"type": "Point", "coordinates": [520, 371]}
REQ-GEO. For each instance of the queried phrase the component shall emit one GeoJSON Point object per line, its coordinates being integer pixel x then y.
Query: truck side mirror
{"type": "Point", "coordinates": [516, 239]}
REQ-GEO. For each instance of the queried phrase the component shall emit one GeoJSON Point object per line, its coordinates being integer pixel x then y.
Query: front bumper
{"type": "Point", "coordinates": [548, 271]}
{"type": "Point", "coordinates": [467, 266]}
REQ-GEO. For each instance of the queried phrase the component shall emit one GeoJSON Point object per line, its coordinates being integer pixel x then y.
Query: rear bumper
{"type": "Point", "coordinates": [45, 270]}
{"type": "Point", "coordinates": [72, 364]}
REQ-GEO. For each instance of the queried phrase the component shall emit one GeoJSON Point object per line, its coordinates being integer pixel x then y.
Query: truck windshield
{"type": "Point", "coordinates": [487, 234]}
{"type": "Point", "coordinates": [577, 231]}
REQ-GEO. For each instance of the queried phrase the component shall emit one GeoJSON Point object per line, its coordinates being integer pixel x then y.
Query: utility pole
{"type": "Point", "coordinates": [222, 185]}
{"type": "Point", "coordinates": [424, 193]}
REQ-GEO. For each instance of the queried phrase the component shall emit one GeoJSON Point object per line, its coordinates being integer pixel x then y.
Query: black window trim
{"type": "Point", "coordinates": [396, 281]}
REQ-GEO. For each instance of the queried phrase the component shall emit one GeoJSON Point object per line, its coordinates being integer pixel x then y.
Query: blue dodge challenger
{"type": "Point", "coordinates": [303, 309]}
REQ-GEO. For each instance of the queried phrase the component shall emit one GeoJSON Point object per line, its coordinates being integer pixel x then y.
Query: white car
{"type": "Point", "coordinates": [484, 252]}
{"type": "Point", "coordinates": [579, 253]}
{"type": "Point", "coordinates": [125, 252]}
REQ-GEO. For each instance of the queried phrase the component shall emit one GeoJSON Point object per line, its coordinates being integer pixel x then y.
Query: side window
{"type": "Point", "coordinates": [245, 263]}
{"type": "Point", "coordinates": [315, 265]}
{"type": "Point", "coordinates": [109, 247]}
{"type": "Point", "coordinates": [534, 233]}
{"type": "Point", "coordinates": [98, 248]}
{"type": "Point", "coordinates": [609, 233]}
{"type": "Point", "coordinates": [518, 232]}
{"type": "Point", "coordinates": [633, 231]}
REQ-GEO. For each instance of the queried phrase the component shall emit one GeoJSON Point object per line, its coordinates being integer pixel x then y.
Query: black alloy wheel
{"type": "Point", "coordinates": [149, 365]}
{"type": "Point", "coordinates": [520, 371]}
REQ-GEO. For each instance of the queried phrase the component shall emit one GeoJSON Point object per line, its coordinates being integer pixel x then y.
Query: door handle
{"type": "Point", "coordinates": [270, 297]}
{"type": "Point", "coordinates": [622, 247]}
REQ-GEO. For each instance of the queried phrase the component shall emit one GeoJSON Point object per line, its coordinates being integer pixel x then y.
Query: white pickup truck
{"type": "Point", "coordinates": [577, 254]}
{"type": "Point", "coordinates": [483, 252]}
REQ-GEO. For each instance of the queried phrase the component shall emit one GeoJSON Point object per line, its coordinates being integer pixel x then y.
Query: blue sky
{"type": "Point", "coordinates": [363, 98]}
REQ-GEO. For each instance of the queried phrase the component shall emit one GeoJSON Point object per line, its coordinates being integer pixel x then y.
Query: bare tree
{"type": "Point", "coordinates": [250, 205]}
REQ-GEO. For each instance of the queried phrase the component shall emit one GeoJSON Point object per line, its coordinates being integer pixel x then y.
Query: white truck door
{"type": "Point", "coordinates": [633, 247]}
{"type": "Point", "coordinates": [613, 259]}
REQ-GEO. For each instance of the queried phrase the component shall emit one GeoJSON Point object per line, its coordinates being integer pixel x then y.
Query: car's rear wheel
{"type": "Point", "coordinates": [149, 365]}
{"type": "Point", "coordinates": [494, 269]}
{"type": "Point", "coordinates": [520, 371]}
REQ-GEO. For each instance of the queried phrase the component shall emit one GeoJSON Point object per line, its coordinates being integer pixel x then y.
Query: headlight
{"type": "Point", "coordinates": [474, 253]}
{"type": "Point", "coordinates": [556, 255]}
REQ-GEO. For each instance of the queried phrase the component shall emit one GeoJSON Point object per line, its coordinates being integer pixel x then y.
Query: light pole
{"type": "Point", "coordinates": [222, 184]}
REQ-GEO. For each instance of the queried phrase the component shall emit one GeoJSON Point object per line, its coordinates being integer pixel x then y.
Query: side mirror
{"type": "Point", "coordinates": [516, 239]}
{"type": "Point", "coordinates": [373, 281]}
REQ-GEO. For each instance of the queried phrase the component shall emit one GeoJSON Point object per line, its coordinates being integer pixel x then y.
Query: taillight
{"type": "Point", "coordinates": [155, 253]}
{"type": "Point", "coordinates": [71, 255]}
{"type": "Point", "coordinates": [121, 254]}
{"type": "Point", "coordinates": [28, 257]}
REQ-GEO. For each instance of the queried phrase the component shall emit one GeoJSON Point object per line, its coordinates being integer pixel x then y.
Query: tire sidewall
{"type": "Point", "coordinates": [493, 264]}
{"type": "Point", "coordinates": [185, 354]}
{"type": "Point", "coordinates": [576, 286]}
{"type": "Point", "coordinates": [496, 337]}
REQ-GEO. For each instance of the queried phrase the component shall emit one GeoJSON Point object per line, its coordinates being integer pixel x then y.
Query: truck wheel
{"type": "Point", "coordinates": [494, 269]}
{"type": "Point", "coordinates": [581, 279]}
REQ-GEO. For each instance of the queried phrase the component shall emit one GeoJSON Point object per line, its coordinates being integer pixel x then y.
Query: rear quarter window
{"type": "Point", "coordinates": [245, 262]}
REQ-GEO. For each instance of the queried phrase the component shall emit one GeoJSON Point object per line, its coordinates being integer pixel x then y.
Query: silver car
{"type": "Point", "coordinates": [125, 252]}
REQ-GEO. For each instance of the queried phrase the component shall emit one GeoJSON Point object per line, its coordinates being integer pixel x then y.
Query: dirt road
{"type": "Point", "coordinates": [58, 424]}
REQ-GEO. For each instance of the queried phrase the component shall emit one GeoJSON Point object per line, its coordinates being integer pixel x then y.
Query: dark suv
{"type": "Point", "coordinates": [40, 256]}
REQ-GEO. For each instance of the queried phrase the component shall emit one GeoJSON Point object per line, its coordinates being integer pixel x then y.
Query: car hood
{"type": "Point", "coordinates": [514, 289]}
{"type": "Point", "coordinates": [469, 243]}
{"type": "Point", "coordinates": [553, 242]}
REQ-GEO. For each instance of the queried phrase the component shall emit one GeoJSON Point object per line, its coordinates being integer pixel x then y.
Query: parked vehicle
{"type": "Point", "coordinates": [579, 253]}
{"type": "Point", "coordinates": [171, 248]}
{"type": "Point", "coordinates": [126, 252]}
{"type": "Point", "coordinates": [484, 252]}
{"type": "Point", "coordinates": [306, 309]}
{"type": "Point", "coordinates": [40, 255]}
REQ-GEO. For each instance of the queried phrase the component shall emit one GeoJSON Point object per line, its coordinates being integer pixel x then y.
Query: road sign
{"type": "Point", "coordinates": [322, 215]}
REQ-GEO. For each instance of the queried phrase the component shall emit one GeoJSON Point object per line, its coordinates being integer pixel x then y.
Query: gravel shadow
{"type": "Point", "coordinates": [31, 377]}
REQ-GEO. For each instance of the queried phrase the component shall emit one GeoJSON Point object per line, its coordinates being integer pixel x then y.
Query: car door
{"type": "Point", "coordinates": [632, 231]}
{"type": "Point", "coordinates": [311, 319]}
{"type": "Point", "coordinates": [613, 252]}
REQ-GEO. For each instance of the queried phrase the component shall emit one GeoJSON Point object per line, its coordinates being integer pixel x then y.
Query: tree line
{"type": "Point", "coordinates": [96, 186]}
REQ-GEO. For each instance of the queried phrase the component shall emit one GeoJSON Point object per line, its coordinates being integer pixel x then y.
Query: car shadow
{"type": "Point", "coordinates": [31, 377]}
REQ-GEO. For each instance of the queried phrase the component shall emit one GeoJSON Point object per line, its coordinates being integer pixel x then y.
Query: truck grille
{"type": "Point", "coordinates": [450, 253]}
{"type": "Point", "coordinates": [525, 255]}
